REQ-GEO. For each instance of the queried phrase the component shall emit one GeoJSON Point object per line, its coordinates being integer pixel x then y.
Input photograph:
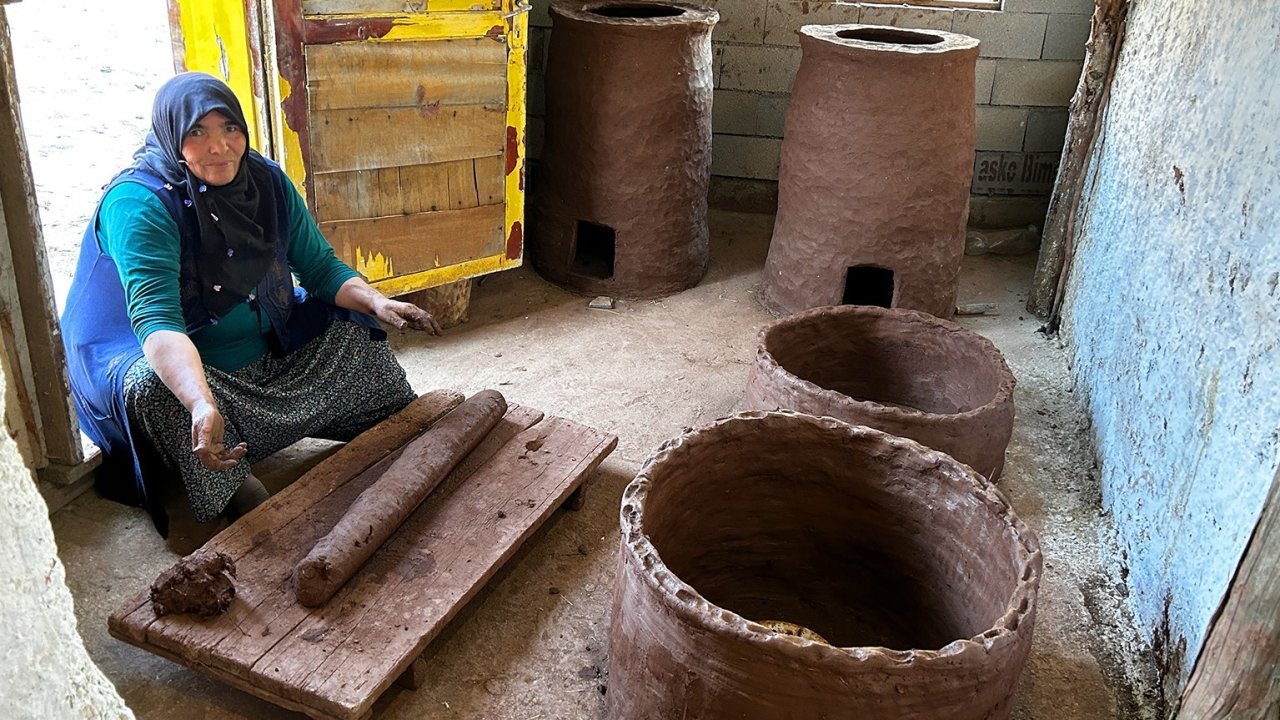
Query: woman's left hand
{"type": "Point", "coordinates": [401, 315]}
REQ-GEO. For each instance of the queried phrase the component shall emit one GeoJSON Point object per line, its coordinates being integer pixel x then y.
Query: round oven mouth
{"type": "Point", "coordinates": [889, 36]}
{"type": "Point", "coordinates": [635, 11]}
{"type": "Point", "coordinates": [772, 527]}
{"type": "Point", "coordinates": [887, 39]}
{"type": "Point", "coordinates": [900, 362]}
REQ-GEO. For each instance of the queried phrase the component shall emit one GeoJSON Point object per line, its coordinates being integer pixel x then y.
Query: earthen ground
{"type": "Point", "coordinates": [533, 644]}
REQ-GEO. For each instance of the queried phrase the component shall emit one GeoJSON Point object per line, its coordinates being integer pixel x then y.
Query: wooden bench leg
{"type": "Point", "coordinates": [576, 499]}
{"type": "Point", "coordinates": [413, 676]}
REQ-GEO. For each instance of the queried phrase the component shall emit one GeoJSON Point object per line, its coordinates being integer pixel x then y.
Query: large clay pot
{"type": "Point", "coordinates": [621, 196]}
{"type": "Point", "coordinates": [900, 582]}
{"type": "Point", "coordinates": [877, 159]}
{"type": "Point", "coordinates": [905, 372]}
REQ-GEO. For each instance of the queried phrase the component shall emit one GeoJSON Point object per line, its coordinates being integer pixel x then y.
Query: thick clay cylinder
{"type": "Point", "coordinates": [621, 195]}
{"type": "Point", "coordinates": [778, 566]}
{"type": "Point", "coordinates": [877, 160]}
{"type": "Point", "coordinates": [904, 372]}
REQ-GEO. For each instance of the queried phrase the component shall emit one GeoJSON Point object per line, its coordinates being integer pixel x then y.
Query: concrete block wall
{"type": "Point", "coordinates": [1031, 55]}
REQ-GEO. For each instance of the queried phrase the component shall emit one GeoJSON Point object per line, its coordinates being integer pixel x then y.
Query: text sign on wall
{"type": "Point", "coordinates": [1008, 173]}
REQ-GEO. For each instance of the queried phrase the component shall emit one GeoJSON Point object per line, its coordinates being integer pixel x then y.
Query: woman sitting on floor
{"type": "Point", "coordinates": [191, 353]}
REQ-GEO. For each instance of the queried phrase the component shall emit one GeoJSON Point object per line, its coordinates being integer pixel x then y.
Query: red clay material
{"type": "Point", "coordinates": [621, 196]}
{"type": "Point", "coordinates": [380, 510]}
{"type": "Point", "coordinates": [912, 567]}
{"type": "Point", "coordinates": [877, 159]}
{"type": "Point", "coordinates": [905, 372]}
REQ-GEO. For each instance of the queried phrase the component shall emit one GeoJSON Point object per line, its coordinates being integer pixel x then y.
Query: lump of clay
{"type": "Point", "coordinates": [200, 583]}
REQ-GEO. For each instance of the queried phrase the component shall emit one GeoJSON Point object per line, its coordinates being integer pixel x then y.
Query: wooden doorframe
{"type": "Point", "coordinates": [39, 413]}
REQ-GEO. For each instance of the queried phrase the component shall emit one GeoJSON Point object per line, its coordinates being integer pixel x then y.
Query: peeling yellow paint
{"type": "Point", "coordinates": [447, 274]}
{"type": "Point", "coordinates": [215, 40]}
{"type": "Point", "coordinates": [516, 90]}
{"type": "Point", "coordinates": [290, 147]}
{"type": "Point", "coordinates": [374, 265]}
{"type": "Point", "coordinates": [439, 26]}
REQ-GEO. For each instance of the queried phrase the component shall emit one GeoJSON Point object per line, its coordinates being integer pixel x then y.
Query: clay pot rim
{"type": "Point", "coordinates": [695, 610]}
{"type": "Point", "coordinates": [1003, 395]}
{"type": "Point", "coordinates": [582, 10]}
{"type": "Point", "coordinates": [951, 41]}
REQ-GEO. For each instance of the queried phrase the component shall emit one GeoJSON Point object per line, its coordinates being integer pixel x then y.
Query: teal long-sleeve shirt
{"type": "Point", "coordinates": [140, 235]}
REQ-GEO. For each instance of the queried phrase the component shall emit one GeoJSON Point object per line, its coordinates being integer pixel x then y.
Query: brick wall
{"type": "Point", "coordinates": [1030, 61]}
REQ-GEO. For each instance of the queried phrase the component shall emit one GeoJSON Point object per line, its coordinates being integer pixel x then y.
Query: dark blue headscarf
{"type": "Point", "coordinates": [238, 232]}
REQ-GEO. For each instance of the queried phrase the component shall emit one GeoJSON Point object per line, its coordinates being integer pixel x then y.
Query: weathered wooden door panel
{"type": "Point", "coordinates": [401, 121]}
{"type": "Point", "coordinates": [426, 75]}
{"type": "Point", "coordinates": [367, 139]}
{"type": "Point", "coordinates": [408, 244]}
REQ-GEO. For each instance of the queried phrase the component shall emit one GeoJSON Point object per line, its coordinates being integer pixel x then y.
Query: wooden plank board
{"type": "Point", "coordinates": [365, 194]}
{"type": "Point", "coordinates": [491, 179]}
{"type": "Point", "coordinates": [365, 139]}
{"type": "Point", "coordinates": [333, 662]}
{"type": "Point", "coordinates": [413, 243]}
{"type": "Point", "coordinates": [278, 616]}
{"type": "Point", "coordinates": [426, 75]}
{"type": "Point", "coordinates": [134, 617]}
{"type": "Point", "coordinates": [425, 187]}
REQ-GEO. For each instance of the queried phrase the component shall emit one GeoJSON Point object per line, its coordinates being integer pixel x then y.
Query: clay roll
{"type": "Point", "coordinates": [383, 506]}
{"type": "Point", "coordinates": [877, 161]}
{"type": "Point", "coordinates": [621, 197]}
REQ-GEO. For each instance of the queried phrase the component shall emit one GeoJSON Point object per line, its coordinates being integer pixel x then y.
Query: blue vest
{"type": "Point", "coordinates": [101, 345]}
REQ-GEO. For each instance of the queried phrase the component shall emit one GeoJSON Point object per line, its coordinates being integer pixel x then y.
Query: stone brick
{"type": "Point", "coordinates": [1003, 35]}
{"type": "Point", "coordinates": [1066, 36]}
{"type": "Point", "coordinates": [744, 113]}
{"type": "Point", "coordinates": [760, 68]}
{"type": "Point", "coordinates": [985, 78]}
{"type": "Point", "coordinates": [1077, 7]}
{"type": "Point", "coordinates": [1001, 128]}
{"type": "Point", "coordinates": [908, 17]}
{"type": "Point", "coordinates": [740, 21]}
{"type": "Point", "coordinates": [745, 157]}
{"type": "Point", "coordinates": [784, 18]}
{"type": "Point", "coordinates": [1046, 130]}
{"type": "Point", "coordinates": [1035, 82]}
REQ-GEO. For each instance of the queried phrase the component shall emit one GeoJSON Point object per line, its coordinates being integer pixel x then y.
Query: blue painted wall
{"type": "Point", "coordinates": [1173, 311]}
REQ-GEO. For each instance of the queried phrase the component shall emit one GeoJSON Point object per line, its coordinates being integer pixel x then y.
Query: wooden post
{"type": "Point", "coordinates": [1090, 99]}
{"type": "Point", "coordinates": [1238, 672]}
{"type": "Point", "coordinates": [36, 361]}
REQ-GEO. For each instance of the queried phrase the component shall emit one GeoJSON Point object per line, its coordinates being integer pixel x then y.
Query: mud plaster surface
{"type": "Point", "coordinates": [519, 651]}
{"type": "Point", "coordinates": [628, 147]}
{"type": "Point", "coordinates": [872, 541]}
{"type": "Point", "coordinates": [876, 163]}
{"type": "Point", "coordinates": [901, 371]}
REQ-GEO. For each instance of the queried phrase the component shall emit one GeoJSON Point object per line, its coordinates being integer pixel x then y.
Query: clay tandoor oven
{"type": "Point", "coordinates": [905, 372]}
{"type": "Point", "coordinates": [913, 569]}
{"type": "Point", "coordinates": [877, 159]}
{"type": "Point", "coordinates": [621, 198]}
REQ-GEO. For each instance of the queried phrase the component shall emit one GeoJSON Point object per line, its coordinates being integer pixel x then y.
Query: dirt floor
{"type": "Point", "coordinates": [533, 644]}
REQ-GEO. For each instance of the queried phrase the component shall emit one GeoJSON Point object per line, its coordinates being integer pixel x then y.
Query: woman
{"type": "Point", "coordinates": [191, 353]}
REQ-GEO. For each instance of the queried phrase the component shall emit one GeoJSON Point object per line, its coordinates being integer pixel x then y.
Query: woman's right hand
{"type": "Point", "coordinates": [207, 428]}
